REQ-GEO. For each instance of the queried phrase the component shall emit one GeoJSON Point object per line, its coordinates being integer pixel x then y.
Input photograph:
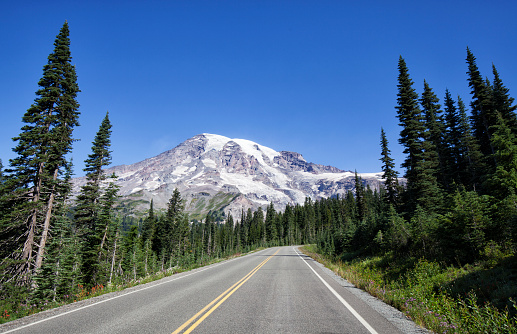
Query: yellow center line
{"type": "Point", "coordinates": [225, 294]}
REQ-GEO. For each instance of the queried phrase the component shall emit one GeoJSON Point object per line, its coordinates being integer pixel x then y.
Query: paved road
{"type": "Point", "coordinates": [278, 290]}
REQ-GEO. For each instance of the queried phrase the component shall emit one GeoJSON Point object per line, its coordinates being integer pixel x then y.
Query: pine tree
{"type": "Point", "coordinates": [470, 164]}
{"type": "Point", "coordinates": [427, 167]}
{"type": "Point", "coordinates": [503, 181]}
{"type": "Point", "coordinates": [1, 174]}
{"type": "Point", "coordinates": [173, 219]}
{"type": "Point", "coordinates": [32, 183]}
{"type": "Point", "coordinates": [452, 139]}
{"type": "Point", "coordinates": [362, 209]}
{"type": "Point", "coordinates": [389, 175]}
{"type": "Point", "coordinates": [229, 232]}
{"type": "Point", "coordinates": [503, 102]}
{"type": "Point", "coordinates": [271, 228]}
{"type": "Point", "coordinates": [148, 226]}
{"type": "Point", "coordinates": [483, 116]}
{"type": "Point", "coordinates": [435, 132]}
{"type": "Point", "coordinates": [89, 207]}
{"type": "Point", "coordinates": [413, 128]}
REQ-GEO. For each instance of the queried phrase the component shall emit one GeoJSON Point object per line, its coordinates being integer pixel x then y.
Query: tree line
{"type": "Point", "coordinates": [457, 201]}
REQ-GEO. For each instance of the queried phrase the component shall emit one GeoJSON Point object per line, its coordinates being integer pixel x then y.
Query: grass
{"type": "Point", "coordinates": [445, 299]}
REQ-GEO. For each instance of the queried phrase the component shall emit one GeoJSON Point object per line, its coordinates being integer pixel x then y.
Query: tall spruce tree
{"type": "Point", "coordinates": [452, 139]}
{"type": "Point", "coordinates": [502, 182]}
{"type": "Point", "coordinates": [471, 156]}
{"type": "Point", "coordinates": [483, 116]}
{"type": "Point", "coordinates": [389, 175]}
{"type": "Point", "coordinates": [1, 173]}
{"type": "Point", "coordinates": [270, 224]}
{"type": "Point", "coordinates": [435, 132]}
{"type": "Point", "coordinates": [175, 233]}
{"type": "Point", "coordinates": [503, 102]}
{"type": "Point", "coordinates": [148, 225]}
{"type": "Point", "coordinates": [360, 199]}
{"type": "Point", "coordinates": [33, 179]}
{"type": "Point", "coordinates": [89, 207]}
{"type": "Point", "coordinates": [411, 136]}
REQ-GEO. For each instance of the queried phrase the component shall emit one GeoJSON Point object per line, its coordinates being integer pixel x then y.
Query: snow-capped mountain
{"type": "Point", "coordinates": [214, 172]}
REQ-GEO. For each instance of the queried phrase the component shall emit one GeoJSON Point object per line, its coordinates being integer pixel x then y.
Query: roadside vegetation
{"type": "Point", "coordinates": [22, 304]}
{"type": "Point", "coordinates": [444, 299]}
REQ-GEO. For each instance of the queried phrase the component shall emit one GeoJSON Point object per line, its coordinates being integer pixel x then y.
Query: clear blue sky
{"type": "Point", "coordinates": [315, 77]}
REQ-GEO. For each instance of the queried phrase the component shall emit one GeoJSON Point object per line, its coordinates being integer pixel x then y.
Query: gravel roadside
{"type": "Point", "coordinates": [394, 316]}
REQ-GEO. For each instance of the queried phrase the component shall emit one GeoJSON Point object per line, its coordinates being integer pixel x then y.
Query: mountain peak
{"type": "Point", "coordinates": [217, 173]}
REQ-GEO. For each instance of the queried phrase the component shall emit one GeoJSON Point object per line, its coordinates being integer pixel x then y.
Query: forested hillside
{"type": "Point", "coordinates": [456, 204]}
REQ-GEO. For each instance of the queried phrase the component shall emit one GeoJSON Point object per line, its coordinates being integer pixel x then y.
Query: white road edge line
{"type": "Point", "coordinates": [344, 302]}
{"type": "Point", "coordinates": [123, 295]}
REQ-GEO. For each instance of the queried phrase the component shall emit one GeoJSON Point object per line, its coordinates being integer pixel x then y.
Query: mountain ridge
{"type": "Point", "coordinates": [215, 173]}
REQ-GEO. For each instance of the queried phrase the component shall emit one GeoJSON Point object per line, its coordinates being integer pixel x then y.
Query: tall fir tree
{"type": "Point", "coordinates": [435, 132]}
{"type": "Point", "coordinates": [33, 180]}
{"type": "Point", "coordinates": [471, 156]}
{"type": "Point", "coordinates": [148, 225]}
{"type": "Point", "coordinates": [452, 139]}
{"type": "Point", "coordinates": [502, 182]}
{"type": "Point", "coordinates": [483, 116]}
{"type": "Point", "coordinates": [270, 223]}
{"type": "Point", "coordinates": [360, 199]}
{"type": "Point", "coordinates": [411, 136]}
{"type": "Point", "coordinates": [503, 103]}
{"type": "Point", "coordinates": [389, 175]}
{"type": "Point", "coordinates": [174, 226]}
{"type": "Point", "coordinates": [1, 173]}
{"type": "Point", "coordinates": [89, 207]}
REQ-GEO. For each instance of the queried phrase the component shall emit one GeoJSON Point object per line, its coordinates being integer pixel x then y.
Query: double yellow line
{"type": "Point", "coordinates": [219, 300]}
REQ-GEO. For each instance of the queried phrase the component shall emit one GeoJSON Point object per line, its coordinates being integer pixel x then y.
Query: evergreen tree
{"type": "Point", "coordinates": [483, 116]}
{"type": "Point", "coordinates": [470, 161]}
{"type": "Point", "coordinates": [310, 216]}
{"type": "Point", "coordinates": [427, 167]}
{"type": "Point", "coordinates": [362, 209]}
{"type": "Point", "coordinates": [270, 223]}
{"type": "Point", "coordinates": [229, 233]}
{"type": "Point", "coordinates": [130, 253]}
{"type": "Point", "coordinates": [435, 133]}
{"type": "Point", "coordinates": [454, 164]}
{"type": "Point", "coordinates": [107, 222]}
{"type": "Point", "coordinates": [32, 183]}
{"type": "Point", "coordinates": [256, 227]}
{"type": "Point", "coordinates": [289, 227]}
{"type": "Point", "coordinates": [389, 175]}
{"type": "Point", "coordinates": [413, 128]}
{"type": "Point", "coordinates": [148, 226]}
{"type": "Point", "coordinates": [503, 102]}
{"type": "Point", "coordinates": [174, 218]}
{"type": "Point", "coordinates": [88, 210]}
{"type": "Point", "coordinates": [59, 272]}
{"type": "Point", "coordinates": [1, 174]}
{"type": "Point", "coordinates": [503, 181]}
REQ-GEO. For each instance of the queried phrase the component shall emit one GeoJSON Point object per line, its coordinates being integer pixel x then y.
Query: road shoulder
{"type": "Point", "coordinates": [393, 315]}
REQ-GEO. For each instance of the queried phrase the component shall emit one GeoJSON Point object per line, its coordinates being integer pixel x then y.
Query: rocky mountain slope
{"type": "Point", "coordinates": [216, 173]}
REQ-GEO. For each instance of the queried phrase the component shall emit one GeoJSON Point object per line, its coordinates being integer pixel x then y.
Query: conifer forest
{"type": "Point", "coordinates": [454, 205]}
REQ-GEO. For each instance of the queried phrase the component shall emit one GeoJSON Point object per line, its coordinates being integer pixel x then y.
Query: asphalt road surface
{"type": "Point", "coordinates": [278, 290]}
